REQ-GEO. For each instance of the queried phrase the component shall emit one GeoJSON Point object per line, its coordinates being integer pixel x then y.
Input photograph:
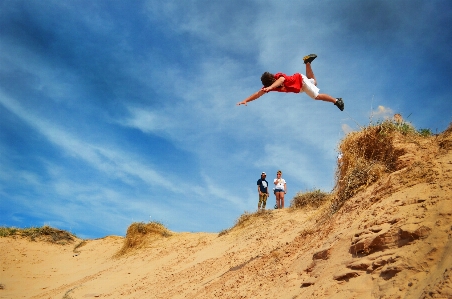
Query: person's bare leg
{"type": "Point", "coordinates": [310, 73]}
{"type": "Point", "coordinates": [322, 97]}
{"type": "Point", "coordinates": [325, 97]}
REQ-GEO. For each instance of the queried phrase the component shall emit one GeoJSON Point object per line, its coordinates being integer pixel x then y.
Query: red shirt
{"type": "Point", "coordinates": [291, 83]}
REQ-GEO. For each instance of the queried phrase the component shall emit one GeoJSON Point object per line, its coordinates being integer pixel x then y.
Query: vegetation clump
{"type": "Point", "coordinates": [45, 233]}
{"type": "Point", "coordinates": [312, 198]}
{"type": "Point", "coordinates": [140, 233]}
{"type": "Point", "coordinates": [247, 218]}
{"type": "Point", "coordinates": [368, 154]}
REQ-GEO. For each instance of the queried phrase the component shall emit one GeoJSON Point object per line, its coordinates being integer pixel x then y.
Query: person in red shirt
{"type": "Point", "coordinates": [296, 83]}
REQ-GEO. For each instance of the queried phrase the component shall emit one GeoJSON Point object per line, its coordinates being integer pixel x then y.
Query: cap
{"type": "Point", "coordinates": [264, 173]}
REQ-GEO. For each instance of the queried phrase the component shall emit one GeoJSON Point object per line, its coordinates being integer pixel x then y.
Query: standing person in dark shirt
{"type": "Point", "coordinates": [262, 189]}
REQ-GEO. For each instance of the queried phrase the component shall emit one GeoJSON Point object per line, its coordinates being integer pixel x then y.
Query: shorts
{"type": "Point", "coordinates": [278, 190]}
{"type": "Point", "coordinates": [309, 87]}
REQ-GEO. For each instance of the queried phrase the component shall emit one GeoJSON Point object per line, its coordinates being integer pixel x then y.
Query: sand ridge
{"type": "Point", "coordinates": [391, 240]}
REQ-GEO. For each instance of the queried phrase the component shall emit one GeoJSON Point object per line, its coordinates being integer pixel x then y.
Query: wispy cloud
{"type": "Point", "coordinates": [112, 162]}
{"type": "Point", "coordinates": [128, 110]}
{"type": "Point", "coordinates": [383, 112]}
{"type": "Point", "coordinates": [346, 129]}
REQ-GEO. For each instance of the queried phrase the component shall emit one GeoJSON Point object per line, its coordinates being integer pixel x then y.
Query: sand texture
{"type": "Point", "coordinates": [393, 239]}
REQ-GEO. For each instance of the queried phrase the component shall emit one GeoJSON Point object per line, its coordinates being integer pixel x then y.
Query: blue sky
{"type": "Point", "coordinates": [113, 112]}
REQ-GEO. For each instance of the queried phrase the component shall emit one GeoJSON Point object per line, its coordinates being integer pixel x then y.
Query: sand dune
{"type": "Point", "coordinates": [392, 239]}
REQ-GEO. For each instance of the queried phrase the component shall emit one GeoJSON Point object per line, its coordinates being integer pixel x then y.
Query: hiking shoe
{"type": "Point", "coordinates": [309, 58]}
{"type": "Point", "coordinates": [340, 104]}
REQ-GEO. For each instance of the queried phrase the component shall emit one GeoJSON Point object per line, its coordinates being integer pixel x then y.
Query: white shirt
{"type": "Point", "coordinates": [280, 184]}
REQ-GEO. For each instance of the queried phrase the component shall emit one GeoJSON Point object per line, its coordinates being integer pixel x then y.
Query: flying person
{"type": "Point", "coordinates": [296, 83]}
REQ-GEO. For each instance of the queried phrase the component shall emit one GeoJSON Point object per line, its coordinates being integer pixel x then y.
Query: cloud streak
{"type": "Point", "coordinates": [128, 110]}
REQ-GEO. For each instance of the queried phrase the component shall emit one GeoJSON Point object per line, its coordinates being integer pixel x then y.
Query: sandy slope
{"type": "Point", "coordinates": [392, 240]}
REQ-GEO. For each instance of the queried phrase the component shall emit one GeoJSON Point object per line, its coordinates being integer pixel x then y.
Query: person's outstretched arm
{"type": "Point", "coordinates": [261, 92]}
{"type": "Point", "coordinates": [252, 97]}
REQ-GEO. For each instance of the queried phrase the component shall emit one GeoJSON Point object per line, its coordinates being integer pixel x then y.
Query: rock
{"type": "Point", "coordinates": [411, 232]}
{"type": "Point", "coordinates": [389, 271]}
{"type": "Point", "coordinates": [373, 239]}
{"type": "Point", "coordinates": [307, 283]}
{"type": "Point", "coordinates": [322, 254]}
{"type": "Point", "coordinates": [345, 275]}
{"type": "Point", "coordinates": [361, 264]}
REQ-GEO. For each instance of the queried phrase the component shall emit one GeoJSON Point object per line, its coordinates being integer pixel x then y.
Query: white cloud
{"type": "Point", "coordinates": [383, 112]}
{"type": "Point", "coordinates": [177, 73]}
{"type": "Point", "coordinates": [346, 129]}
{"type": "Point", "coordinates": [113, 162]}
{"type": "Point", "coordinates": [222, 193]}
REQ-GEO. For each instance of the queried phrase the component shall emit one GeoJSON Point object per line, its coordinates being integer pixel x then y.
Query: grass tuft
{"type": "Point", "coordinates": [313, 198]}
{"type": "Point", "coordinates": [45, 233]}
{"type": "Point", "coordinates": [140, 233]}
{"type": "Point", "coordinates": [369, 154]}
{"type": "Point", "coordinates": [246, 219]}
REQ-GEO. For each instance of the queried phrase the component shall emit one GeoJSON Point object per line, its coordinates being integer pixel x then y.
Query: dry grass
{"type": "Point", "coordinates": [79, 245]}
{"type": "Point", "coordinates": [67, 295]}
{"type": "Point", "coordinates": [445, 140]}
{"type": "Point", "coordinates": [369, 154]}
{"type": "Point", "coordinates": [313, 198]}
{"type": "Point", "coordinates": [140, 233]}
{"type": "Point", "coordinates": [45, 233]}
{"type": "Point", "coordinates": [247, 219]}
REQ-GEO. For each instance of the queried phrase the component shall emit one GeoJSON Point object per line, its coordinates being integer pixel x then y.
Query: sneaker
{"type": "Point", "coordinates": [340, 104]}
{"type": "Point", "coordinates": [276, 207]}
{"type": "Point", "coordinates": [309, 58]}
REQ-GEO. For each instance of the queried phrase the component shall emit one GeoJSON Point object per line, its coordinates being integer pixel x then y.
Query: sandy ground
{"type": "Point", "coordinates": [392, 240]}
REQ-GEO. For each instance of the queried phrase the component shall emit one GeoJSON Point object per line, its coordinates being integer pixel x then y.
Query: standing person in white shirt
{"type": "Point", "coordinates": [280, 190]}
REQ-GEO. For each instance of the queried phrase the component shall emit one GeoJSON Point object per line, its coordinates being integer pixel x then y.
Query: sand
{"type": "Point", "coordinates": [391, 240]}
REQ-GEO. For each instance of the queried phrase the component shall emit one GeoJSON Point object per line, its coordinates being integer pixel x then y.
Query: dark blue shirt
{"type": "Point", "coordinates": [263, 185]}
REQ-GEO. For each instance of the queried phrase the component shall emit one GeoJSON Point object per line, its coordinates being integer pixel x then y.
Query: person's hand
{"type": "Point", "coordinates": [266, 89]}
{"type": "Point", "coordinates": [242, 103]}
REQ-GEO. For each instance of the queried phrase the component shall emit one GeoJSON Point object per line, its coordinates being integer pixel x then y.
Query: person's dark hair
{"type": "Point", "coordinates": [267, 79]}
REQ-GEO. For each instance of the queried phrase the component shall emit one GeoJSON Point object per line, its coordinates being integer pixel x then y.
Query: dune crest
{"type": "Point", "coordinates": [389, 236]}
